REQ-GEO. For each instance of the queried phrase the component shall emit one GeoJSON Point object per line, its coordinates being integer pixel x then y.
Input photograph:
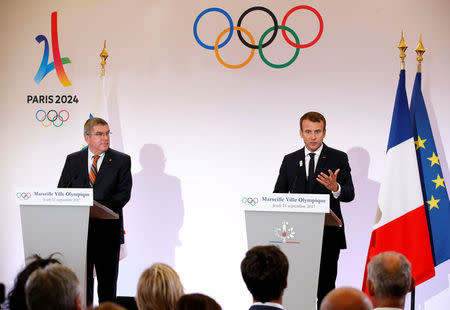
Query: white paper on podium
{"type": "Point", "coordinates": [311, 203]}
{"type": "Point", "coordinates": [57, 197]}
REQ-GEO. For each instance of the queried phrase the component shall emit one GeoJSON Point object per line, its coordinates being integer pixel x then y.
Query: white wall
{"type": "Point", "coordinates": [222, 132]}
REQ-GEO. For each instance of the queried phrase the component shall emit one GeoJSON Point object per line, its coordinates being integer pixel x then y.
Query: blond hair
{"type": "Point", "coordinates": [159, 288]}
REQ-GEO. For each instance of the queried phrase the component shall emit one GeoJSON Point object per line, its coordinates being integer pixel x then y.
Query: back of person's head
{"type": "Point", "coordinates": [197, 302]}
{"type": "Point", "coordinates": [16, 296]}
{"type": "Point", "coordinates": [389, 276]}
{"type": "Point", "coordinates": [159, 288]}
{"type": "Point", "coordinates": [346, 298]}
{"type": "Point", "coordinates": [108, 305]}
{"type": "Point", "coordinates": [265, 270]}
{"type": "Point", "coordinates": [54, 287]}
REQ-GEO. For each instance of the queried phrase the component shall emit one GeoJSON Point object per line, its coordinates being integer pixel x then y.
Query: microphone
{"type": "Point", "coordinates": [293, 184]}
{"type": "Point", "coordinates": [71, 180]}
{"type": "Point", "coordinates": [300, 164]}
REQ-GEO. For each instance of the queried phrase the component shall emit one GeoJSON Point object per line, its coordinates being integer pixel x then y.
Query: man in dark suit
{"type": "Point", "coordinates": [265, 271]}
{"type": "Point", "coordinates": [319, 169]}
{"type": "Point", "coordinates": [108, 172]}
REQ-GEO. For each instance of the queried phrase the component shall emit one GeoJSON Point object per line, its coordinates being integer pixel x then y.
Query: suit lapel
{"type": "Point", "coordinates": [301, 172]}
{"type": "Point", "coordinates": [84, 167]}
{"type": "Point", "coordinates": [105, 164]}
{"type": "Point", "coordinates": [321, 164]}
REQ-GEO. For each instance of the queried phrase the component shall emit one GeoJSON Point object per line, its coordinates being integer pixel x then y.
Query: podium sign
{"type": "Point", "coordinates": [55, 197]}
{"type": "Point", "coordinates": [294, 222]}
{"type": "Point", "coordinates": [56, 220]}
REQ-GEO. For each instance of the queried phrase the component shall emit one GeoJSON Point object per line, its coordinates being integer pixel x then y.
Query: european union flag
{"type": "Point", "coordinates": [433, 186]}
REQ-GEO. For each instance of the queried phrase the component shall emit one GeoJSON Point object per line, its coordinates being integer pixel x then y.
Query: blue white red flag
{"type": "Point", "coordinates": [400, 223]}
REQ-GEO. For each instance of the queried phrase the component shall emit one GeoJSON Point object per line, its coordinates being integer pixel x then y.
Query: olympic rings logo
{"type": "Point", "coordinates": [260, 45]}
{"type": "Point", "coordinates": [52, 117]}
{"type": "Point", "coordinates": [249, 200]}
{"type": "Point", "coordinates": [23, 196]}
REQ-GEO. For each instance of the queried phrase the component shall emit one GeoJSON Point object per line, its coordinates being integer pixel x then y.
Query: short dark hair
{"type": "Point", "coordinates": [16, 296]}
{"type": "Point", "coordinates": [315, 117]}
{"type": "Point", "coordinates": [265, 270]}
{"type": "Point", "coordinates": [91, 122]}
{"type": "Point", "coordinates": [197, 302]}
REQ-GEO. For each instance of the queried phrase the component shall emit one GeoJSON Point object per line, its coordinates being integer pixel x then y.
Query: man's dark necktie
{"type": "Point", "coordinates": [311, 172]}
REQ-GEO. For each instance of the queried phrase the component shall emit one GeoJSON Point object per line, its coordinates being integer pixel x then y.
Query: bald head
{"type": "Point", "coordinates": [389, 279]}
{"type": "Point", "coordinates": [346, 298]}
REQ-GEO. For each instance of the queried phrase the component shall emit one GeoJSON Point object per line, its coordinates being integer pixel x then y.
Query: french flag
{"type": "Point", "coordinates": [400, 221]}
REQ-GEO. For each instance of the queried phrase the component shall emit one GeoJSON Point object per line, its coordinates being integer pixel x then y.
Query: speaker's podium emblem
{"type": "Point", "coordinates": [284, 233]}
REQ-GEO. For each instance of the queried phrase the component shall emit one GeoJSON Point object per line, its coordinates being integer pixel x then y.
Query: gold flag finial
{"type": "Point", "coordinates": [419, 51]}
{"type": "Point", "coordinates": [402, 47]}
{"type": "Point", "coordinates": [103, 56]}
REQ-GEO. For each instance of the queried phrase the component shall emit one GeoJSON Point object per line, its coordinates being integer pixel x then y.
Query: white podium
{"type": "Point", "coordinates": [295, 223]}
{"type": "Point", "coordinates": [56, 220]}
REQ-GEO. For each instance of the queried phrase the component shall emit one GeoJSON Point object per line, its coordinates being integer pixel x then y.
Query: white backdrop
{"type": "Point", "coordinates": [200, 134]}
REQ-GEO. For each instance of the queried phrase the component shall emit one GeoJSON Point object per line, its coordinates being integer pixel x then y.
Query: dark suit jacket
{"type": "Point", "coordinates": [112, 186]}
{"type": "Point", "coordinates": [290, 172]}
{"type": "Point", "coordinates": [263, 307]}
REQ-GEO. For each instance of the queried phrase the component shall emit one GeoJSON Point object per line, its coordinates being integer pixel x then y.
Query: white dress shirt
{"type": "Point", "coordinates": [316, 160]}
{"type": "Point", "coordinates": [91, 160]}
{"type": "Point", "coordinates": [271, 304]}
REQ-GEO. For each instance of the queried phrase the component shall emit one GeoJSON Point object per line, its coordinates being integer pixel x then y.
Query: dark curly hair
{"type": "Point", "coordinates": [16, 296]}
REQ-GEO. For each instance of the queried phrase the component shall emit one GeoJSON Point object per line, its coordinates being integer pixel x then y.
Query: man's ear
{"type": "Point", "coordinates": [413, 284]}
{"type": "Point", "coordinates": [78, 303]}
{"type": "Point", "coordinates": [370, 287]}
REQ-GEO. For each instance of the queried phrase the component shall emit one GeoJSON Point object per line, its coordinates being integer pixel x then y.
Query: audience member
{"type": "Point", "coordinates": [265, 270]}
{"type": "Point", "coordinates": [16, 296]}
{"type": "Point", "coordinates": [196, 302]}
{"type": "Point", "coordinates": [159, 288]}
{"type": "Point", "coordinates": [54, 287]}
{"type": "Point", "coordinates": [389, 280]}
{"type": "Point", "coordinates": [108, 305]}
{"type": "Point", "coordinates": [346, 298]}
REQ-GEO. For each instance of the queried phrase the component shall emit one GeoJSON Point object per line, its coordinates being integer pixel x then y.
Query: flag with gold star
{"type": "Point", "coordinates": [400, 221]}
{"type": "Point", "coordinates": [434, 189]}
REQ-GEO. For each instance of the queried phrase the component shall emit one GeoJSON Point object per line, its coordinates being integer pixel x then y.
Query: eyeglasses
{"type": "Point", "coordinates": [101, 134]}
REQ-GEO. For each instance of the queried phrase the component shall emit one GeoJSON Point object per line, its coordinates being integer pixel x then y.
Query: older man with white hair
{"type": "Point", "coordinates": [389, 280]}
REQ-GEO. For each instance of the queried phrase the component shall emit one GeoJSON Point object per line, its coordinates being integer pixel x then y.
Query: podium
{"type": "Point", "coordinates": [295, 223]}
{"type": "Point", "coordinates": [56, 220]}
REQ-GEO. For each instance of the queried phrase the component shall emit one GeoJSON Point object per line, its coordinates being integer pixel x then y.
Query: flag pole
{"type": "Point", "coordinates": [103, 56]}
{"type": "Point", "coordinates": [419, 51]}
{"type": "Point", "coordinates": [402, 46]}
